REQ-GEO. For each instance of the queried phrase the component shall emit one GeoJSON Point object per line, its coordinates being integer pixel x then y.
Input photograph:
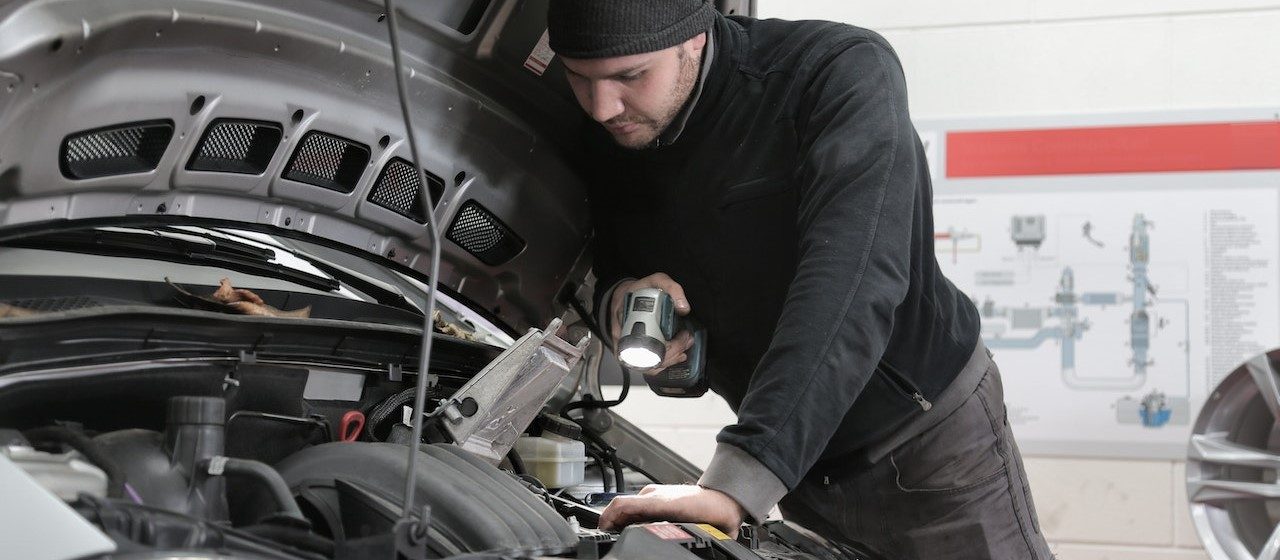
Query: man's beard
{"type": "Point", "coordinates": [686, 79]}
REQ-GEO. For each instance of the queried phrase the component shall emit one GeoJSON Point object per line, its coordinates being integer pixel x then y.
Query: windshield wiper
{"type": "Point", "coordinates": [175, 246]}
{"type": "Point", "coordinates": [381, 292]}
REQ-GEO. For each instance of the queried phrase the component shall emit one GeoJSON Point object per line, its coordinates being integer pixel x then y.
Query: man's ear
{"type": "Point", "coordinates": [696, 44]}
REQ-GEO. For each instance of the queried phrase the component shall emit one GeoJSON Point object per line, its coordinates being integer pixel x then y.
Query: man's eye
{"type": "Point", "coordinates": [630, 77]}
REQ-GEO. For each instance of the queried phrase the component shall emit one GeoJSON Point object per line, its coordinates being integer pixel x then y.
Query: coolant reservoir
{"type": "Point", "coordinates": [64, 474]}
{"type": "Point", "coordinates": [556, 458]}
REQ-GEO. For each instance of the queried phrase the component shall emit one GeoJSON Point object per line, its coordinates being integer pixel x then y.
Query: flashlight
{"type": "Point", "coordinates": [649, 322]}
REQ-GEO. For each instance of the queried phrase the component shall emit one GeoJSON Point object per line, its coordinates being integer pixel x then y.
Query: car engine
{"type": "Point", "coordinates": [240, 458]}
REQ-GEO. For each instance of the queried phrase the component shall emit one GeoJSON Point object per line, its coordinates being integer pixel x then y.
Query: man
{"type": "Point", "coordinates": [767, 175]}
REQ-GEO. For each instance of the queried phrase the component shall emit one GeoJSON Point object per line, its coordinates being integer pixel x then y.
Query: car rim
{"type": "Point", "coordinates": [1232, 461]}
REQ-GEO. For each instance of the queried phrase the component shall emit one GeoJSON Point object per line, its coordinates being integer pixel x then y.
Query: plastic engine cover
{"type": "Point", "coordinates": [474, 506]}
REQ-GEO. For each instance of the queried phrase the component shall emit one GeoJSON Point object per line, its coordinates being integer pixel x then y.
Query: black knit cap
{"type": "Point", "coordinates": [605, 28]}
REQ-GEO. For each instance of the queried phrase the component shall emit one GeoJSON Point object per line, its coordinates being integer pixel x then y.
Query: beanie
{"type": "Point", "coordinates": [607, 28]}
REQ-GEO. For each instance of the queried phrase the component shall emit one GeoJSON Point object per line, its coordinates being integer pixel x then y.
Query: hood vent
{"type": "Point", "coordinates": [56, 304]}
{"type": "Point", "coordinates": [398, 189]}
{"type": "Point", "coordinates": [115, 150]}
{"type": "Point", "coordinates": [236, 146]}
{"type": "Point", "coordinates": [327, 161]}
{"type": "Point", "coordinates": [483, 235]}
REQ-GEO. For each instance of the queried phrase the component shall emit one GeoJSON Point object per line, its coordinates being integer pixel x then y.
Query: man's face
{"type": "Point", "coordinates": [636, 97]}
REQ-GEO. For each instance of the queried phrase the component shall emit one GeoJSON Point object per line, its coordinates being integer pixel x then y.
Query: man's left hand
{"type": "Point", "coordinates": [680, 503]}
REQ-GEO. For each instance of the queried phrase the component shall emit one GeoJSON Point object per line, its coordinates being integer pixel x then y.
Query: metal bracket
{"type": "Point", "coordinates": [410, 536]}
{"type": "Point", "coordinates": [489, 413]}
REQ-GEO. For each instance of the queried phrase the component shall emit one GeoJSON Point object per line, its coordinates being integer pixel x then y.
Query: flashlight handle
{"type": "Point", "coordinates": [687, 379]}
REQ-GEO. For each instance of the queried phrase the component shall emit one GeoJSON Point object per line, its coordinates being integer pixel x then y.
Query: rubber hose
{"type": "Point", "coordinates": [87, 447]}
{"type": "Point", "coordinates": [264, 473]}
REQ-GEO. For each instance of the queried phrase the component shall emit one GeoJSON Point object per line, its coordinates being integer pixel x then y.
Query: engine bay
{"type": "Point", "coordinates": [265, 455]}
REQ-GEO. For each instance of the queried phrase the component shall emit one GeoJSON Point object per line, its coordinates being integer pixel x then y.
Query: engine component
{"type": "Point", "coordinates": [163, 469]}
{"type": "Point", "coordinates": [283, 508]}
{"type": "Point", "coordinates": [784, 539]}
{"type": "Point", "coordinates": [268, 437]}
{"type": "Point", "coordinates": [31, 514]}
{"type": "Point", "coordinates": [92, 452]}
{"type": "Point", "coordinates": [489, 413]}
{"type": "Point", "coordinates": [168, 534]}
{"type": "Point", "coordinates": [64, 474]}
{"type": "Point", "coordinates": [676, 540]}
{"type": "Point", "coordinates": [555, 460]}
{"type": "Point", "coordinates": [352, 490]}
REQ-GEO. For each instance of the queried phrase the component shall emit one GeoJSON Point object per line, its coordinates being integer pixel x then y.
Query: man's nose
{"type": "Point", "coordinates": [605, 102]}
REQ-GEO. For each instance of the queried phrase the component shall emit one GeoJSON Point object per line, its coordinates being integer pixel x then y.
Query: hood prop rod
{"type": "Point", "coordinates": [411, 530]}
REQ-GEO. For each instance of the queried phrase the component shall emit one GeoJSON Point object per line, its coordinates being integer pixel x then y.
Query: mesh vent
{"type": "Point", "coordinates": [398, 189]}
{"type": "Point", "coordinates": [325, 160]}
{"type": "Point", "coordinates": [236, 146]}
{"type": "Point", "coordinates": [482, 234]}
{"type": "Point", "coordinates": [115, 150]}
{"type": "Point", "coordinates": [55, 304]}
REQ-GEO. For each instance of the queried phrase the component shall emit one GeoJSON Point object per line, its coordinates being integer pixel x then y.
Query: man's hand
{"type": "Point", "coordinates": [680, 503]}
{"type": "Point", "coordinates": [678, 346]}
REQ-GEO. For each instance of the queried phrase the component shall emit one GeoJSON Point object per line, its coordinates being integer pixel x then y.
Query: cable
{"type": "Point", "coordinates": [604, 479]}
{"type": "Point", "coordinates": [596, 329]}
{"type": "Point", "coordinates": [589, 402]}
{"type": "Point", "coordinates": [643, 472]}
{"type": "Point", "coordinates": [391, 405]}
{"type": "Point", "coordinates": [581, 310]}
{"type": "Point", "coordinates": [424, 361]}
{"type": "Point", "coordinates": [517, 464]}
{"type": "Point", "coordinates": [620, 477]}
{"type": "Point", "coordinates": [608, 452]}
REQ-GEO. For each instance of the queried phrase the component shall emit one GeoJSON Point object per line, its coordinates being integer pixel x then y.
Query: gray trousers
{"type": "Point", "coordinates": [956, 491]}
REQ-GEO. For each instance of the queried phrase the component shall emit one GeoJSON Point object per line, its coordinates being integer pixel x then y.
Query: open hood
{"type": "Point", "coordinates": [283, 117]}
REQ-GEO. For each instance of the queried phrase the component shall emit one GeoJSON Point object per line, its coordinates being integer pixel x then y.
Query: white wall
{"type": "Point", "coordinates": [967, 58]}
{"type": "Point", "coordinates": [1016, 57]}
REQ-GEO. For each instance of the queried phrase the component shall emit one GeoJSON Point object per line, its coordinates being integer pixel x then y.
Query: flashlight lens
{"type": "Point", "coordinates": [639, 357]}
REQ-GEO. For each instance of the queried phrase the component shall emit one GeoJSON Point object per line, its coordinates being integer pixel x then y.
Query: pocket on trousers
{"type": "Point", "coordinates": [960, 453]}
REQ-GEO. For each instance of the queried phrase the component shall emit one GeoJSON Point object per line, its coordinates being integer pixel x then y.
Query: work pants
{"type": "Point", "coordinates": [957, 491]}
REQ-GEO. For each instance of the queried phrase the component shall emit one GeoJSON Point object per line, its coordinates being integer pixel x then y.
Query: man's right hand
{"type": "Point", "coordinates": [678, 346]}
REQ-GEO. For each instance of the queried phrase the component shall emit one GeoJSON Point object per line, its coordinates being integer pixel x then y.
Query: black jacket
{"type": "Point", "coordinates": [795, 210]}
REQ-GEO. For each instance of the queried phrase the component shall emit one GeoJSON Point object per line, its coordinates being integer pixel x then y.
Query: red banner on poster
{"type": "Point", "coordinates": [1114, 149]}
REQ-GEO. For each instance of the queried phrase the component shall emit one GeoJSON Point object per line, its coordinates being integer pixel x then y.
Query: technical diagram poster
{"type": "Point", "coordinates": [1109, 322]}
{"type": "Point", "coordinates": [1119, 274]}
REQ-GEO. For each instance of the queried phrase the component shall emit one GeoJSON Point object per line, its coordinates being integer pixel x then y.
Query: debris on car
{"type": "Point", "coordinates": [444, 326]}
{"type": "Point", "coordinates": [229, 299]}
{"type": "Point", "coordinates": [7, 310]}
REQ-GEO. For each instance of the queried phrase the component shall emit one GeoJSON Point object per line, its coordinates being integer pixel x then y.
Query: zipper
{"type": "Point", "coordinates": [903, 384]}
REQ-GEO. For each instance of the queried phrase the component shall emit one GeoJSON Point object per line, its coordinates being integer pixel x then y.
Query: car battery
{"type": "Point", "coordinates": [677, 540]}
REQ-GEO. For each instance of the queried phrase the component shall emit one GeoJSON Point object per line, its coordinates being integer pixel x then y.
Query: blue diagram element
{"type": "Point", "coordinates": [1155, 411]}
{"type": "Point", "coordinates": [1155, 419]}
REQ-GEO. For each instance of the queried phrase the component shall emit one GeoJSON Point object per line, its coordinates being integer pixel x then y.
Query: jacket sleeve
{"type": "Point", "coordinates": [857, 182]}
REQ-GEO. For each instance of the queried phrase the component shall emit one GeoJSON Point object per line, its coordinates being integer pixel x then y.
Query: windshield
{"type": "Point", "coordinates": [220, 270]}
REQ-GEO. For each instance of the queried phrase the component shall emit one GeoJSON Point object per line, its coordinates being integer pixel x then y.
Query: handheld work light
{"type": "Point", "coordinates": [649, 322]}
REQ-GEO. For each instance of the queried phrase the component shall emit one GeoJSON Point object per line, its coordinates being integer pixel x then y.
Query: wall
{"type": "Point", "coordinates": [1043, 57]}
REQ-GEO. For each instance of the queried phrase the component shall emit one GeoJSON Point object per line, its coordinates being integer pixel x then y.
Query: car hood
{"type": "Point", "coordinates": [283, 117]}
